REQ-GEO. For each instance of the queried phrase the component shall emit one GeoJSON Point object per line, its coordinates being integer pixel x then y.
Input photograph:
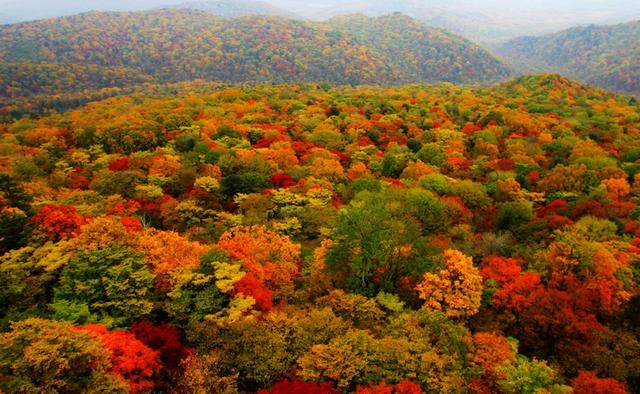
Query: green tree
{"type": "Point", "coordinates": [376, 240]}
{"type": "Point", "coordinates": [27, 275]}
{"type": "Point", "coordinates": [514, 213]}
{"type": "Point", "coordinates": [524, 376]}
{"type": "Point", "coordinates": [112, 286]}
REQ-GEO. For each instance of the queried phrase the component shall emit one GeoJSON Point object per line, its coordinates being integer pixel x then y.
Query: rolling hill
{"type": "Point", "coordinates": [489, 21]}
{"type": "Point", "coordinates": [176, 45]}
{"type": "Point", "coordinates": [606, 56]}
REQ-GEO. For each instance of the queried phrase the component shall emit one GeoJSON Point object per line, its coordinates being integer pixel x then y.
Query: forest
{"type": "Point", "coordinates": [308, 238]}
{"type": "Point", "coordinates": [603, 55]}
{"type": "Point", "coordinates": [99, 50]}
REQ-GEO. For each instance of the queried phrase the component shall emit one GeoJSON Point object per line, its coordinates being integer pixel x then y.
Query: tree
{"type": "Point", "coordinates": [92, 289]}
{"type": "Point", "coordinates": [272, 258]}
{"type": "Point", "coordinates": [250, 286]}
{"type": "Point", "coordinates": [357, 357]}
{"type": "Point", "coordinates": [166, 340]}
{"type": "Point", "coordinates": [514, 213]}
{"type": "Point", "coordinates": [341, 361]}
{"type": "Point", "coordinates": [491, 350]}
{"type": "Point", "coordinates": [617, 188]}
{"type": "Point", "coordinates": [377, 240]}
{"type": "Point", "coordinates": [204, 290]}
{"type": "Point", "coordinates": [28, 275]}
{"type": "Point", "coordinates": [168, 250]}
{"type": "Point", "coordinates": [403, 387]}
{"type": "Point", "coordinates": [287, 386]}
{"type": "Point", "coordinates": [456, 290]}
{"type": "Point", "coordinates": [327, 168]}
{"type": "Point", "coordinates": [13, 228]}
{"type": "Point", "coordinates": [45, 356]}
{"type": "Point", "coordinates": [524, 376]}
{"type": "Point", "coordinates": [589, 383]}
{"type": "Point", "coordinates": [131, 360]}
{"type": "Point", "coordinates": [103, 232]}
{"type": "Point", "coordinates": [564, 179]}
{"type": "Point", "coordinates": [204, 375]}
{"type": "Point", "coordinates": [58, 221]}
{"type": "Point", "coordinates": [12, 194]}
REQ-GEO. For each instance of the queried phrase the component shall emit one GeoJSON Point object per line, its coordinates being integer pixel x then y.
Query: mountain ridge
{"type": "Point", "coordinates": [603, 55]}
{"type": "Point", "coordinates": [175, 45]}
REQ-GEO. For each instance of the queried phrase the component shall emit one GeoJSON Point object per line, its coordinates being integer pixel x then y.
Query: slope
{"type": "Point", "coordinates": [607, 56]}
{"type": "Point", "coordinates": [177, 45]}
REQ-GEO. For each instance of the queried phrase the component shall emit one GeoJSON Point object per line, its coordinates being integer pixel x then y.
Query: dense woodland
{"type": "Point", "coordinates": [603, 55]}
{"type": "Point", "coordinates": [314, 239]}
{"type": "Point", "coordinates": [106, 50]}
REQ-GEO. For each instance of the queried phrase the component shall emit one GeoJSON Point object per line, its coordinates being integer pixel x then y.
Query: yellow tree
{"type": "Point", "coordinates": [167, 250]}
{"type": "Point", "coordinates": [456, 290]}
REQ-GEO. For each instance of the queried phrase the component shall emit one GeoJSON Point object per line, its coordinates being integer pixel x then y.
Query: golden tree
{"type": "Point", "coordinates": [456, 290]}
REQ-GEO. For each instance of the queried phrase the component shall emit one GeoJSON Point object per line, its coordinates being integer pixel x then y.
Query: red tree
{"type": "Point", "coordinates": [131, 360]}
{"type": "Point", "coordinates": [403, 387]}
{"type": "Point", "coordinates": [119, 164]}
{"type": "Point", "coordinates": [282, 180]}
{"type": "Point", "coordinates": [298, 387]}
{"type": "Point", "coordinates": [131, 224]}
{"type": "Point", "coordinates": [165, 339]}
{"type": "Point", "coordinates": [249, 285]}
{"type": "Point", "coordinates": [588, 383]}
{"type": "Point", "coordinates": [59, 221]}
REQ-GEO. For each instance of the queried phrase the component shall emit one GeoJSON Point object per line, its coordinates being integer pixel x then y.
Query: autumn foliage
{"type": "Point", "coordinates": [131, 359]}
{"type": "Point", "coordinates": [167, 250]}
{"type": "Point", "coordinates": [59, 221]}
{"type": "Point", "coordinates": [298, 387]}
{"type": "Point", "coordinates": [589, 383]}
{"type": "Point", "coordinates": [202, 237]}
{"type": "Point", "coordinates": [272, 258]}
{"type": "Point", "coordinates": [455, 290]}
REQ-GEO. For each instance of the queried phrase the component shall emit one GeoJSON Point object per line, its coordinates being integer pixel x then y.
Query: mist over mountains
{"type": "Point", "coordinates": [486, 21]}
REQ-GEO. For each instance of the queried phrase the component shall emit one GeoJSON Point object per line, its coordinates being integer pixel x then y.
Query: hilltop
{"type": "Point", "coordinates": [606, 56]}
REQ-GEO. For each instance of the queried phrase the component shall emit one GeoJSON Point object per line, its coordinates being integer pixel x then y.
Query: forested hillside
{"type": "Point", "coordinates": [607, 56]}
{"type": "Point", "coordinates": [101, 50]}
{"type": "Point", "coordinates": [313, 239]}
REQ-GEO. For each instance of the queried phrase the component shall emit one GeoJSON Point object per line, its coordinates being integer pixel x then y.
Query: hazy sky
{"type": "Point", "coordinates": [482, 20]}
{"type": "Point", "coordinates": [514, 5]}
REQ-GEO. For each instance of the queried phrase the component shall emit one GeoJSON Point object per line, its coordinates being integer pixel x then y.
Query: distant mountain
{"type": "Point", "coordinates": [420, 51]}
{"type": "Point", "coordinates": [97, 50]}
{"type": "Point", "coordinates": [486, 21]}
{"type": "Point", "coordinates": [234, 8]}
{"type": "Point", "coordinates": [607, 56]}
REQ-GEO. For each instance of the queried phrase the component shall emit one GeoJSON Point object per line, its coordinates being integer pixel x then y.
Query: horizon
{"type": "Point", "coordinates": [486, 21]}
